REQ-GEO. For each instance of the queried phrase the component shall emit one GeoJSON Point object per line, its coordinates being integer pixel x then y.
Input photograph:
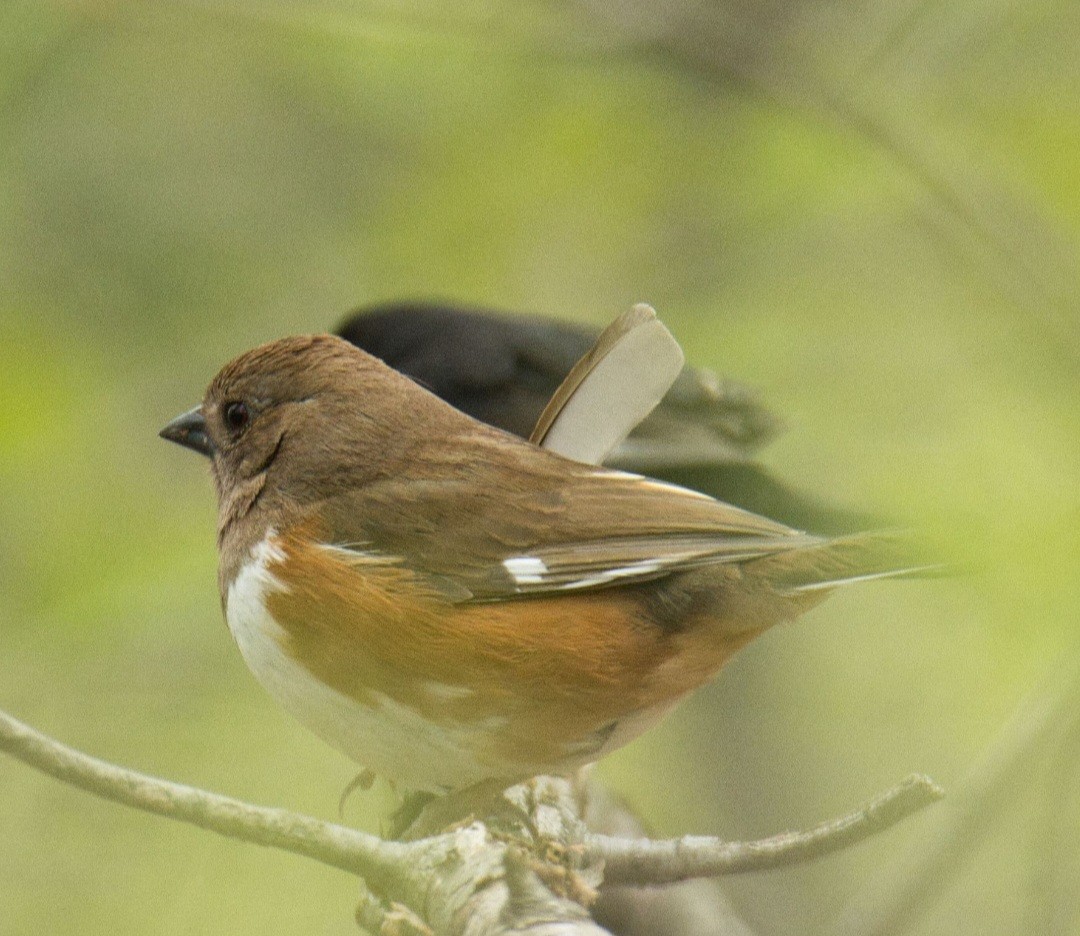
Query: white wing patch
{"type": "Point", "coordinates": [583, 565]}
{"type": "Point", "coordinates": [634, 570]}
{"type": "Point", "coordinates": [529, 571]}
{"type": "Point", "coordinates": [526, 570]}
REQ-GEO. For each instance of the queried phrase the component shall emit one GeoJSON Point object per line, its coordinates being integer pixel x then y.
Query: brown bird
{"type": "Point", "coordinates": [448, 603]}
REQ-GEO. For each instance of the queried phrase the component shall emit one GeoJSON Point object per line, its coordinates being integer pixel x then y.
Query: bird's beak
{"type": "Point", "coordinates": [189, 430]}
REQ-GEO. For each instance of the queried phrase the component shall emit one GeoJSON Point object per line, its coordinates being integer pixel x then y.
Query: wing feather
{"type": "Point", "coordinates": [545, 525]}
{"type": "Point", "coordinates": [607, 393]}
{"type": "Point", "coordinates": [581, 565]}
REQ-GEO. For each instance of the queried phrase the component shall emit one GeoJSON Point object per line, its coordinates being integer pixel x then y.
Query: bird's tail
{"type": "Point", "coordinates": [860, 557]}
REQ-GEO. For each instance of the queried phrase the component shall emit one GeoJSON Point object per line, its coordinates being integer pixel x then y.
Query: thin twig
{"type": "Point", "coordinates": [330, 844]}
{"type": "Point", "coordinates": [688, 908]}
{"type": "Point", "coordinates": [644, 862]}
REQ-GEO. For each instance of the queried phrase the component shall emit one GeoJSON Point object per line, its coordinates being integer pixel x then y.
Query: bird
{"type": "Point", "coordinates": [502, 368]}
{"type": "Point", "coordinates": [449, 604]}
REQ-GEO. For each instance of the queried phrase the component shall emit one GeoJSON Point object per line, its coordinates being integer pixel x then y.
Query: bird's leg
{"type": "Point", "coordinates": [362, 781]}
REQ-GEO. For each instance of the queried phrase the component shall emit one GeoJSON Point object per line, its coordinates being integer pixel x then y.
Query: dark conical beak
{"type": "Point", "coordinates": [189, 430]}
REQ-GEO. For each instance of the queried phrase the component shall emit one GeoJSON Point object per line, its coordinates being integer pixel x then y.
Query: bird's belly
{"type": "Point", "coordinates": [443, 698]}
{"type": "Point", "coordinates": [392, 739]}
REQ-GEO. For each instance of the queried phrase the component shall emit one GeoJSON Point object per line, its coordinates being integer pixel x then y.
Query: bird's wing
{"type": "Point", "coordinates": [564, 567]}
{"type": "Point", "coordinates": [539, 524]}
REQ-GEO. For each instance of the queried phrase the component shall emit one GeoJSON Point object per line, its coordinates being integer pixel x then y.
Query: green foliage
{"type": "Point", "coordinates": [874, 218]}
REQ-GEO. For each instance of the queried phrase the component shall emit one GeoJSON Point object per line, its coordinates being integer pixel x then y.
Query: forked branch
{"type": "Point", "coordinates": [471, 873]}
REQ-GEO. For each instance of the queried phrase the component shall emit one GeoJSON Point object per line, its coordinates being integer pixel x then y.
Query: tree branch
{"type": "Point", "coordinates": [698, 907]}
{"type": "Point", "coordinates": [474, 880]}
{"type": "Point", "coordinates": [646, 862]}
{"type": "Point", "coordinates": [334, 845]}
{"type": "Point", "coordinates": [469, 882]}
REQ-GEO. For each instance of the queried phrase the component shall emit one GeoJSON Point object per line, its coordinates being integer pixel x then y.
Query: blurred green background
{"type": "Point", "coordinates": [871, 211]}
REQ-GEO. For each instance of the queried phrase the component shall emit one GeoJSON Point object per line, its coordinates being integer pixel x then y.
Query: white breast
{"type": "Point", "coordinates": [390, 738]}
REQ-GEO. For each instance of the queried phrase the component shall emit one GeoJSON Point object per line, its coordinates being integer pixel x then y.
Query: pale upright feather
{"type": "Point", "coordinates": [611, 389]}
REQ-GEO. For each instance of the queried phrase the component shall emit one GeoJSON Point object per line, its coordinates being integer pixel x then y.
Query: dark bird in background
{"type": "Point", "coordinates": [502, 369]}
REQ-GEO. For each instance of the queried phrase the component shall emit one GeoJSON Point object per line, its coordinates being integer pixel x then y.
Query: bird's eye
{"type": "Point", "coordinates": [236, 417]}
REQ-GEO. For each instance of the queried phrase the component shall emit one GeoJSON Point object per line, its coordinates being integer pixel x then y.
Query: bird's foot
{"type": "Point", "coordinates": [362, 781]}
